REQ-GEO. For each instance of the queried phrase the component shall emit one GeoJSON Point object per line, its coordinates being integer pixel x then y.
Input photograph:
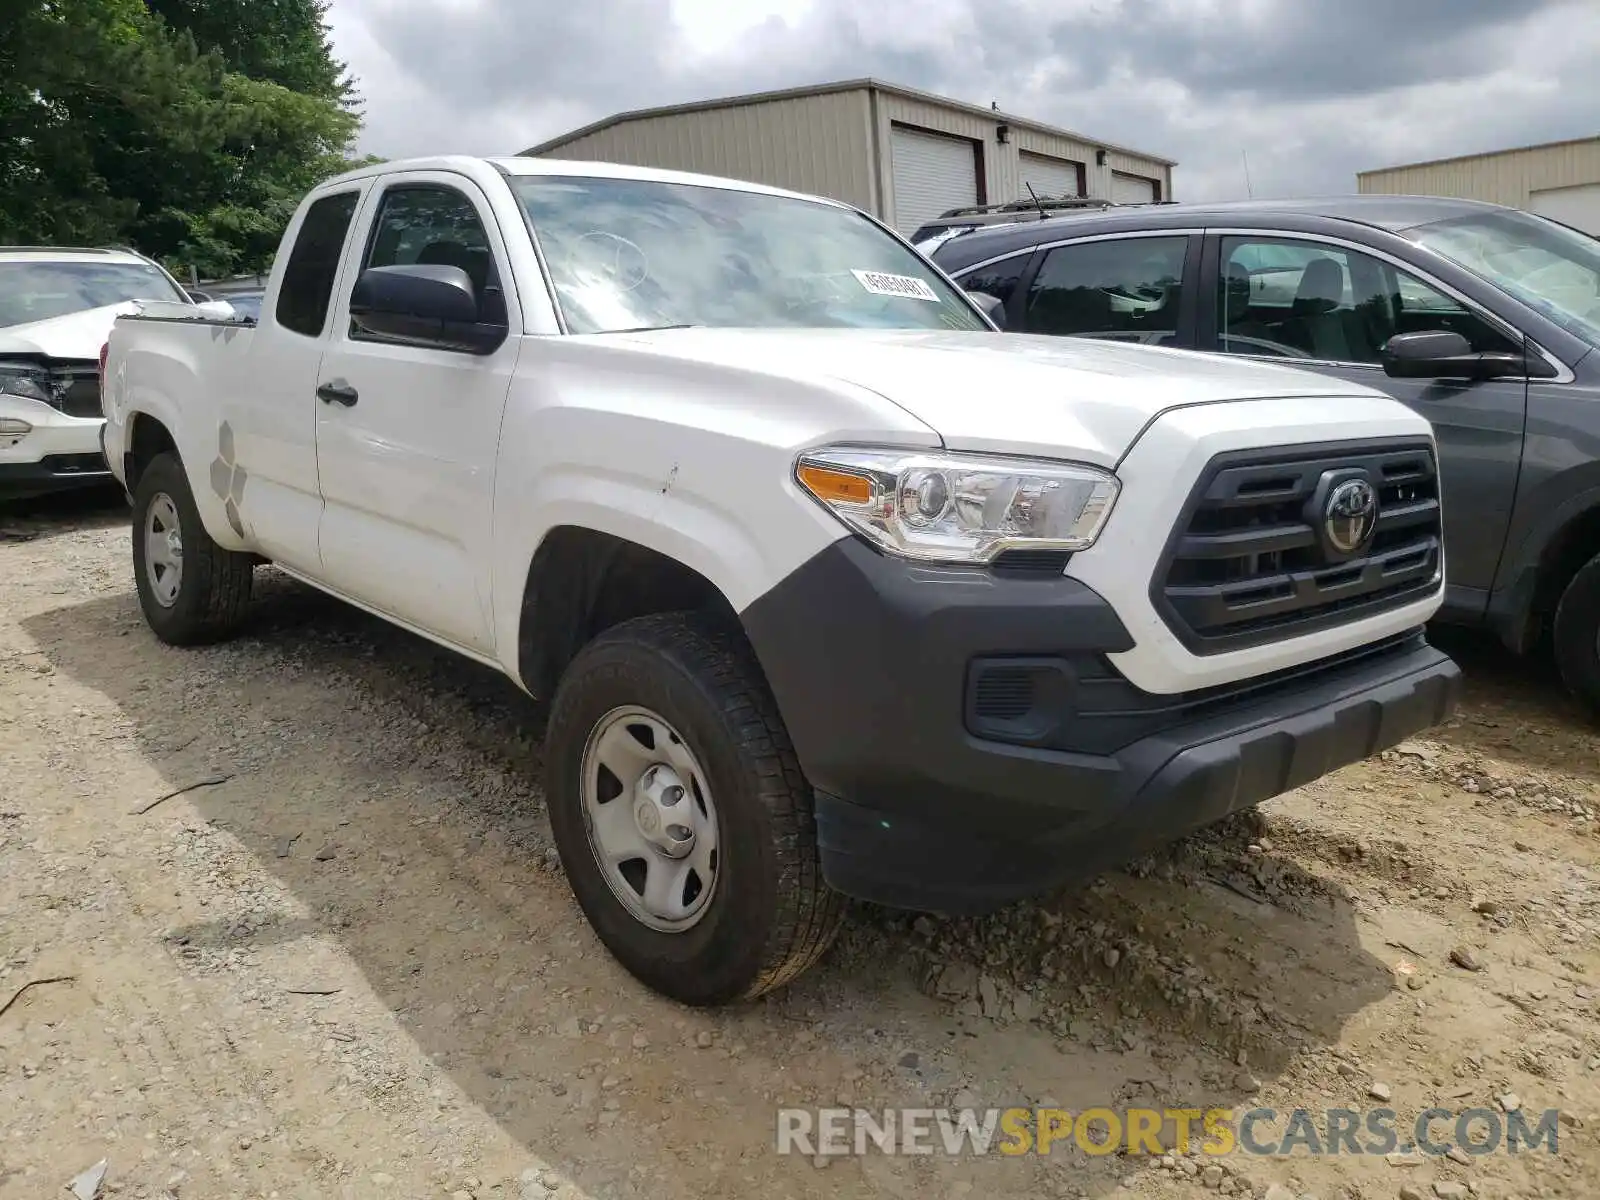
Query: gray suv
{"type": "Point", "coordinates": [1484, 319]}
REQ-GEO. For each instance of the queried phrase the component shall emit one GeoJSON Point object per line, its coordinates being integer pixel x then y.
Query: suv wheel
{"type": "Point", "coordinates": [190, 589]}
{"type": "Point", "coordinates": [682, 818]}
{"type": "Point", "coordinates": [1577, 636]}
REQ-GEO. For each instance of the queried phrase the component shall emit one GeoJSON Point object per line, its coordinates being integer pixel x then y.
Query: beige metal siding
{"type": "Point", "coordinates": [817, 144]}
{"type": "Point", "coordinates": [1508, 177]}
{"type": "Point", "coordinates": [1002, 176]}
{"type": "Point", "coordinates": [834, 141]}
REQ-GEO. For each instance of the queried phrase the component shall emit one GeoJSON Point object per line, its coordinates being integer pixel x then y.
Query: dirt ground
{"type": "Point", "coordinates": [348, 965]}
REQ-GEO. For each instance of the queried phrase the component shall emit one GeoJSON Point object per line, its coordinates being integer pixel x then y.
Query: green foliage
{"type": "Point", "coordinates": [190, 132]}
{"type": "Point", "coordinates": [280, 41]}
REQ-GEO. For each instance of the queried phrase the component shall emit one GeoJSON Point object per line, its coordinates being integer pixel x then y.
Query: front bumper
{"type": "Point", "coordinates": [944, 785]}
{"type": "Point", "coordinates": [57, 453]}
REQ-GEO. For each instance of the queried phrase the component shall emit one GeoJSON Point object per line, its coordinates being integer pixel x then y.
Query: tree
{"type": "Point", "coordinates": [118, 127]}
{"type": "Point", "coordinates": [278, 41]}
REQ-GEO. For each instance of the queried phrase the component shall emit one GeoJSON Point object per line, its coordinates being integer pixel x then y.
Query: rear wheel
{"type": "Point", "coordinates": [1577, 636]}
{"type": "Point", "coordinates": [191, 590]}
{"type": "Point", "coordinates": [681, 815]}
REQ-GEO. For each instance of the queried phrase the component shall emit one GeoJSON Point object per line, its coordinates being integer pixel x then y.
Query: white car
{"type": "Point", "coordinates": [57, 305]}
{"type": "Point", "coordinates": [835, 590]}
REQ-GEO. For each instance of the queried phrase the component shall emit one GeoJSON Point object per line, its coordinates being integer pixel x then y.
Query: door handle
{"type": "Point", "coordinates": [337, 393]}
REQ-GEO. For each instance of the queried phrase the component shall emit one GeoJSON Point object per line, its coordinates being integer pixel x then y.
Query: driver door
{"type": "Point", "coordinates": [408, 433]}
{"type": "Point", "coordinates": [1329, 307]}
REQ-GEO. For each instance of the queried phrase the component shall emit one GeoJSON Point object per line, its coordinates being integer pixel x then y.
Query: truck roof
{"type": "Point", "coordinates": [520, 165]}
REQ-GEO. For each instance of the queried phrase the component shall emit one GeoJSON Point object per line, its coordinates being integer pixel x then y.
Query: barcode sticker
{"type": "Point", "coordinates": [881, 283]}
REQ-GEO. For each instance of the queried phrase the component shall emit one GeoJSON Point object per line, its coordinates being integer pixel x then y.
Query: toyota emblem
{"type": "Point", "coordinates": [1351, 515]}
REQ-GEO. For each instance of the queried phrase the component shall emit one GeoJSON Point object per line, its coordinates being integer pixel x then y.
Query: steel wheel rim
{"type": "Point", "coordinates": [163, 549]}
{"type": "Point", "coordinates": [657, 849]}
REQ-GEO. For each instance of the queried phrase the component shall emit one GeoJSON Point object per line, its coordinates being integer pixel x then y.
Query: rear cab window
{"type": "Point", "coordinates": [308, 277]}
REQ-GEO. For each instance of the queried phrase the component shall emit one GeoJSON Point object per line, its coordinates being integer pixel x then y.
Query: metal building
{"type": "Point", "coordinates": [1560, 180]}
{"type": "Point", "coordinates": [904, 155]}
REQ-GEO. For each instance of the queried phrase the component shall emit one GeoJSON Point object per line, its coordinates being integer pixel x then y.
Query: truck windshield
{"type": "Point", "coordinates": [1549, 267]}
{"type": "Point", "coordinates": [39, 290]}
{"type": "Point", "coordinates": [631, 254]}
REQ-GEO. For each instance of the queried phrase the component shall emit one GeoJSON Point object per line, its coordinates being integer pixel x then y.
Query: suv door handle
{"type": "Point", "coordinates": [337, 393]}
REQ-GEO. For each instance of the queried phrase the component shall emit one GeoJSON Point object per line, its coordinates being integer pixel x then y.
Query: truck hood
{"type": "Point", "coordinates": [1003, 393]}
{"type": "Point", "coordinates": [76, 335]}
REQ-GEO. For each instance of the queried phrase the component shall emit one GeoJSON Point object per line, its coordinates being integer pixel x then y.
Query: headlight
{"type": "Point", "coordinates": [12, 427]}
{"type": "Point", "coordinates": [963, 508]}
{"type": "Point", "coordinates": [29, 382]}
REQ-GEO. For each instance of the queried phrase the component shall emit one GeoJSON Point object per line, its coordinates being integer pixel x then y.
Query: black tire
{"type": "Point", "coordinates": [771, 915]}
{"type": "Point", "coordinates": [213, 587]}
{"type": "Point", "coordinates": [1577, 636]}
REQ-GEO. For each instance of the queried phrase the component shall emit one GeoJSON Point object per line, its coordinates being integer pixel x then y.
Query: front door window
{"type": "Point", "coordinates": [1283, 298]}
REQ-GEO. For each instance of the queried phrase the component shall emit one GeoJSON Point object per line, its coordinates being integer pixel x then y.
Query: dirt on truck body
{"type": "Point", "coordinates": [295, 927]}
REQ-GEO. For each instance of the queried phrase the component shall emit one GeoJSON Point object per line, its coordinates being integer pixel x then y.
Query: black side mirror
{"type": "Point", "coordinates": [993, 307]}
{"type": "Point", "coordinates": [1441, 354]}
{"type": "Point", "coordinates": [424, 303]}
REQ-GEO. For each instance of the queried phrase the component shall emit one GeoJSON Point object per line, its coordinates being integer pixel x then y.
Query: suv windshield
{"type": "Point", "coordinates": [38, 290]}
{"type": "Point", "coordinates": [1547, 266]}
{"type": "Point", "coordinates": [630, 254]}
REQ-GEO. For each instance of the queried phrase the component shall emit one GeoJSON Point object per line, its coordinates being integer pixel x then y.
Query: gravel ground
{"type": "Point", "coordinates": [347, 964]}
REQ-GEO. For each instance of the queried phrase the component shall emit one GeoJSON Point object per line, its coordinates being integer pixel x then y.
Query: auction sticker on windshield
{"type": "Point", "coordinates": [881, 283]}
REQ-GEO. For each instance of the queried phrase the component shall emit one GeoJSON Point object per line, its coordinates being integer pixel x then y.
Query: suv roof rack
{"type": "Point", "coordinates": [1048, 203]}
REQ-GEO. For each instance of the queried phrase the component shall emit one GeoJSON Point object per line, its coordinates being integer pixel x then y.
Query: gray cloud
{"type": "Point", "coordinates": [1300, 50]}
{"type": "Point", "coordinates": [1311, 90]}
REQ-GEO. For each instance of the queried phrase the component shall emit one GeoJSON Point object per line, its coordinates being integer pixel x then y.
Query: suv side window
{"type": "Point", "coordinates": [430, 223]}
{"type": "Point", "coordinates": [1124, 289]}
{"type": "Point", "coordinates": [998, 279]}
{"type": "Point", "coordinates": [314, 264]}
{"type": "Point", "coordinates": [1284, 298]}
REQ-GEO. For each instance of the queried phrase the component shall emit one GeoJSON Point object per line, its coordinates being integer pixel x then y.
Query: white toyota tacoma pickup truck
{"type": "Point", "coordinates": [833, 589]}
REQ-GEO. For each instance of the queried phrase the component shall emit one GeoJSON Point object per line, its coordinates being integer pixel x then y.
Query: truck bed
{"type": "Point", "coordinates": [171, 363]}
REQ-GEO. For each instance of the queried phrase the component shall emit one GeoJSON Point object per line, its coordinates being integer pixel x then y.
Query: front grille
{"type": "Point", "coordinates": [1255, 559]}
{"type": "Point", "coordinates": [75, 388]}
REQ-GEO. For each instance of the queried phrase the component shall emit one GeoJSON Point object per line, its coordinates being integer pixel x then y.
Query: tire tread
{"type": "Point", "coordinates": [809, 912]}
{"type": "Point", "coordinates": [1575, 633]}
{"type": "Point", "coordinates": [222, 578]}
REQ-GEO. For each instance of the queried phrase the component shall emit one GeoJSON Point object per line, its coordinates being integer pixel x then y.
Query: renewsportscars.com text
{"type": "Point", "coordinates": [1219, 1131]}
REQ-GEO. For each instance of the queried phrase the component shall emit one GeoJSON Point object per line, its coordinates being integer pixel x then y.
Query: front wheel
{"type": "Point", "coordinates": [681, 815]}
{"type": "Point", "coordinates": [191, 590]}
{"type": "Point", "coordinates": [1577, 636]}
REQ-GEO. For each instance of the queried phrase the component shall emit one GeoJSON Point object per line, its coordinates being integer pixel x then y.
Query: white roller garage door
{"type": "Point", "coordinates": [931, 174]}
{"type": "Point", "coordinates": [1576, 206]}
{"type": "Point", "coordinates": [1049, 176]}
{"type": "Point", "coordinates": [1132, 189]}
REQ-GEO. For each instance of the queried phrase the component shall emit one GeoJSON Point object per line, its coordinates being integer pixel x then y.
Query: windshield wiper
{"type": "Point", "coordinates": [650, 328]}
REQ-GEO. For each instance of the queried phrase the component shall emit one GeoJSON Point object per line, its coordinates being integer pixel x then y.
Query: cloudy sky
{"type": "Point", "coordinates": [1310, 91]}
